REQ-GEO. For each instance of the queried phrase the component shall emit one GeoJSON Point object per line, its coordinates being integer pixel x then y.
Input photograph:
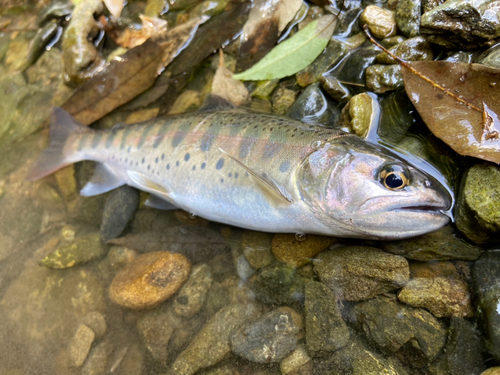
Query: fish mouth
{"type": "Point", "coordinates": [423, 208]}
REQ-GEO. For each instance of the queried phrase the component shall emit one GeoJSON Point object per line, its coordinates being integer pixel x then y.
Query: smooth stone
{"type": "Point", "coordinates": [118, 211]}
{"type": "Point", "coordinates": [193, 293]}
{"type": "Point", "coordinates": [408, 17]}
{"type": "Point", "coordinates": [80, 250]}
{"type": "Point", "coordinates": [270, 338]}
{"type": "Point", "coordinates": [282, 99]}
{"type": "Point", "coordinates": [257, 248]}
{"type": "Point", "coordinates": [278, 285]}
{"type": "Point", "coordinates": [383, 78]}
{"type": "Point", "coordinates": [486, 276]}
{"type": "Point", "coordinates": [96, 322]}
{"type": "Point", "coordinates": [380, 21]}
{"type": "Point", "coordinates": [325, 329]}
{"type": "Point", "coordinates": [149, 280]}
{"type": "Point", "coordinates": [243, 267]}
{"type": "Point", "coordinates": [492, 371]}
{"type": "Point", "coordinates": [478, 214]}
{"type": "Point", "coordinates": [80, 344]}
{"type": "Point", "coordinates": [335, 88]}
{"type": "Point", "coordinates": [155, 331]}
{"type": "Point", "coordinates": [442, 244]}
{"type": "Point", "coordinates": [414, 49]}
{"type": "Point", "coordinates": [296, 253]}
{"type": "Point", "coordinates": [357, 273]}
{"type": "Point", "coordinates": [212, 343]}
{"type": "Point", "coordinates": [437, 287]}
{"type": "Point", "coordinates": [414, 334]}
{"type": "Point", "coordinates": [353, 68]}
{"type": "Point", "coordinates": [490, 57]}
{"type": "Point", "coordinates": [119, 256]}
{"type": "Point", "coordinates": [392, 41]}
{"type": "Point", "coordinates": [361, 113]}
{"type": "Point", "coordinates": [97, 361]}
{"type": "Point", "coordinates": [297, 362]}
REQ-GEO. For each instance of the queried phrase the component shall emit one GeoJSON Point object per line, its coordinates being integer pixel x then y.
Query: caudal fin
{"type": "Point", "coordinates": [52, 158]}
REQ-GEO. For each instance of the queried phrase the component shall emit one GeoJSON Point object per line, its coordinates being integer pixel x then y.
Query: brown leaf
{"type": "Point", "coordinates": [151, 27]}
{"type": "Point", "coordinates": [128, 75]}
{"type": "Point", "coordinates": [225, 86]}
{"type": "Point", "coordinates": [465, 115]}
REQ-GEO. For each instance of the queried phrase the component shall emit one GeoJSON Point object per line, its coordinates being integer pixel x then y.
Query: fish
{"type": "Point", "coordinates": [255, 170]}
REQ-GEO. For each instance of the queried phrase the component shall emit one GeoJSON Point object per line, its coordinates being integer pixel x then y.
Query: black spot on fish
{"type": "Point", "coordinates": [129, 148]}
{"type": "Point", "coordinates": [168, 166]}
{"type": "Point", "coordinates": [230, 174]}
{"type": "Point", "coordinates": [222, 180]}
{"type": "Point", "coordinates": [177, 163]}
{"type": "Point", "coordinates": [157, 160]}
{"type": "Point", "coordinates": [162, 156]}
{"type": "Point", "coordinates": [186, 157]}
{"type": "Point", "coordinates": [220, 164]}
{"type": "Point", "coordinates": [284, 166]}
{"type": "Point", "coordinates": [194, 167]}
{"type": "Point", "coordinates": [149, 167]}
{"type": "Point", "coordinates": [235, 174]}
{"type": "Point", "coordinates": [143, 160]}
{"type": "Point", "coordinates": [203, 165]}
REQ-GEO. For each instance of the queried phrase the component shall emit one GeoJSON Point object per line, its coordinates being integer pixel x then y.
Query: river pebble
{"type": "Point", "coordinates": [257, 248]}
{"type": "Point", "coordinates": [381, 22]}
{"type": "Point", "coordinates": [97, 361]}
{"type": "Point", "coordinates": [357, 273]}
{"type": "Point", "coordinates": [408, 17]}
{"type": "Point", "coordinates": [438, 288]}
{"type": "Point", "coordinates": [193, 293]}
{"type": "Point", "coordinates": [297, 252]}
{"type": "Point", "coordinates": [118, 211]}
{"type": "Point", "coordinates": [149, 280]}
{"type": "Point", "coordinates": [325, 329]}
{"type": "Point", "coordinates": [96, 322]}
{"type": "Point", "coordinates": [212, 343]}
{"type": "Point", "coordinates": [270, 338]}
{"type": "Point", "coordinates": [155, 331]}
{"type": "Point", "coordinates": [80, 344]}
{"type": "Point", "coordinates": [383, 78]}
{"type": "Point", "coordinates": [278, 285]}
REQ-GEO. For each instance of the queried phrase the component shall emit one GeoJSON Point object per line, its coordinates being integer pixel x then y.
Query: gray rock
{"type": "Point", "coordinates": [356, 273]}
{"type": "Point", "coordinates": [297, 363]}
{"type": "Point", "coordinates": [335, 89]}
{"type": "Point", "coordinates": [414, 49]}
{"type": "Point", "coordinates": [96, 322]}
{"type": "Point", "coordinates": [243, 267]}
{"type": "Point", "coordinates": [192, 294]}
{"type": "Point", "coordinates": [257, 248]}
{"type": "Point", "coordinates": [118, 212]}
{"type": "Point", "coordinates": [278, 285]}
{"type": "Point", "coordinates": [408, 17]}
{"type": "Point", "coordinates": [414, 334]}
{"type": "Point", "coordinates": [156, 330]}
{"type": "Point", "coordinates": [325, 329]}
{"type": "Point", "coordinates": [461, 24]}
{"type": "Point", "coordinates": [442, 244]}
{"type": "Point", "coordinates": [486, 276]}
{"type": "Point", "coordinates": [97, 361]}
{"type": "Point", "coordinates": [478, 203]}
{"type": "Point", "coordinates": [491, 57]}
{"type": "Point", "coordinates": [80, 344]}
{"type": "Point", "coordinates": [212, 343]}
{"type": "Point", "coordinates": [270, 338]}
{"type": "Point", "coordinates": [383, 78]}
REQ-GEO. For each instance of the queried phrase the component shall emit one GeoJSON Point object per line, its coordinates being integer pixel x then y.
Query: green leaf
{"type": "Point", "coordinates": [294, 54]}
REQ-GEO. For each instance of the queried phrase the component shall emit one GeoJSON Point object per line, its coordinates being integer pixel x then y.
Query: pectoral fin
{"type": "Point", "coordinates": [103, 180]}
{"type": "Point", "coordinates": [159, 203]}
{"type": "Point", "coordinates": [271, 188]}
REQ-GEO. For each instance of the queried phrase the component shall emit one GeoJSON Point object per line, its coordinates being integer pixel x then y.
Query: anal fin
{"type": "Point", "coordinates": [103, 180]}
{"type": "Point", "coordinates": [273, 191]}
{"type": "Point", "coordinates": [159, 203]}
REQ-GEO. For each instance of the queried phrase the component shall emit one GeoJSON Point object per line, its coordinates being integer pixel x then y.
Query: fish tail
{"type": "Point", "coordinates": [54, 157]}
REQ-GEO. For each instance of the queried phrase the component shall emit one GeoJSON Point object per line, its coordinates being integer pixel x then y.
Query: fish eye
{"type": "Point", "coordinates": [394, 176]}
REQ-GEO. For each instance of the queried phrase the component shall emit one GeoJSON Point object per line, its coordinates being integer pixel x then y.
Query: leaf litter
{"type": "Point", "coordinates": [131, 37]}
{"type": "Point", "coordinates": [458, 102]}
{"type": "Point", "coordinates": [225, 86]}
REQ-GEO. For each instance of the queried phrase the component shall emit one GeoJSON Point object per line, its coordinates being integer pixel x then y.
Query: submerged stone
{"type": "Point", "coordinates": [79, 346]}
{"type": "Point", "coordinates": [335, 88]}
{"type": "Point", "coordinates": [287, 249]}
{"type": "Point", "coordinates": [408, 17]}
{"type": "Point", "coordinates": [414, 49]}
{"type": "Point", "coordinates": [380, 21]}
{"type": "Point", "coordinates": [278, 284]}
{"type": "Point", "coordinates": [193, 293]}
{"type": "Point", "coordinates": [118, 212]}
{"type": "Point", "coordinates": [383, 78]}
{"type": "Point", "coordinates": [257, 248]}
{"type": "Point", "coordinates": [297, 363]}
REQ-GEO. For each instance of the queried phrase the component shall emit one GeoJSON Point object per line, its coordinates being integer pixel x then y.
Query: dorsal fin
{"type": "Point", "coordinates": [270, 187]}
{"type": "Point", "coordinates": [214, 103]}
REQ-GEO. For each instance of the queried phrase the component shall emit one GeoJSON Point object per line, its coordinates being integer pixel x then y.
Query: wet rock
{"type": "Point", "coordinates": [80, 344]}
{"type": "Point", "coordinates": [43, 37]}
{"type": "Point", "coordinates": [156, 330]}
{"type": "Point", "coordinates": [383, 78]}
{"type": "Point", "coordinates": [492, 371]}
{"type": "Point", "coordinates": [353, 68]}
{"type": "Point", "coordinates": [356, 273]}
{"type": "Point", "coordinates": [282, 99]}
{"type": "Point", "coordinates": [192, 294]}
{"type": "Point", "coordinates": [243, 267]}
{"type": "Point", "coordinates": [97, 361]}
{"type": "Point", "coordinates": [490, 57]}
{"type": "Point", "coordinates": [264, 89]}
{"type": "Point", "coordinates": [119, 256]}
{"type": "Point", "coordinates": [392, 41]}
{"type": "Point", "coordinates": [333, 53]}
{"type": "Point", "coordinates": [335, 88]}
{"type": "Point", "coordinates": [428, 5]}
{"type": "Point", "coordinates": [278, 284]}
{"type": "Point", "coordinates": [380, 21]}
{"type": "Point", "coordinates": [408, 17]}
{"type": "Point", "coordinates": [17, 56]}
{"type": "Point", "coordinates": [442, 244]}
{"type": "Point", "coordinates": [297, 363]}
{"type": "Point", "coordinates": [149, 280]}
{"type": "Point", "coordinates": [463, 349]}
{"type": "Point", "coordinates": [118, 211]}
{"type": "Point", "coordinates": [357, 358]}
{"type": "Point", "coordinates": [212, 343]}
{"type": "Point", "coordinates": [486, 276]}
{"type": "Point", "coordinates": [55, 10]}
{"type": "Point", "coordinates": [80, 250]}
{"type": "Point", "coordinates": [295, 253]}
{"type": "Point", "coordinates": [257, 248]}
{"type": "Point", "coordinates": [414, 49]}
{"type": "Point", "coordinates": [312, 106]}
{"type": "Point", "coordinates": [462, 25]}
{"type": "Point", "coordinates": [348, 23]}
{"type": "Point", "coordinates": [270, 338]}
{"type": "Point", "coordinates": [325, 329]}
{"type": "Point", "coordinates": [478, 213]}
{"type": "Point", "coordinates": [361, 113]}
{"type": "Point", "coordinates": [414, 334]}
{"type": "Point", "coordinates": [81, 58]}
{"type": "Point", "coordinates": [438, 288]}
{"type": "Point", "coordinates": [96, 322]}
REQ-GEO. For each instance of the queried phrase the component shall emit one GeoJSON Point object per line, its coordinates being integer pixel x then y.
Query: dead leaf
{"type": "Point", "coordinates": [151, 27]}
{"type": "Point", "coordinates": [465, 116]}
{"type": "Point", "coordinates": [128, 75]}
{"type": "Point", "coordinates": [115, 7]}
{"type": "Point", "coordinates": [225, 86]}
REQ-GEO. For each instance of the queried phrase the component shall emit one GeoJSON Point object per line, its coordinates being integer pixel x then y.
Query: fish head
{"type": "Point", "coordinates": [365, 191]}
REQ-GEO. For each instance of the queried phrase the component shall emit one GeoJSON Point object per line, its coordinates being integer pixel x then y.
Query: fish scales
{"type": "Point", "coordinates": [254, 170]}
